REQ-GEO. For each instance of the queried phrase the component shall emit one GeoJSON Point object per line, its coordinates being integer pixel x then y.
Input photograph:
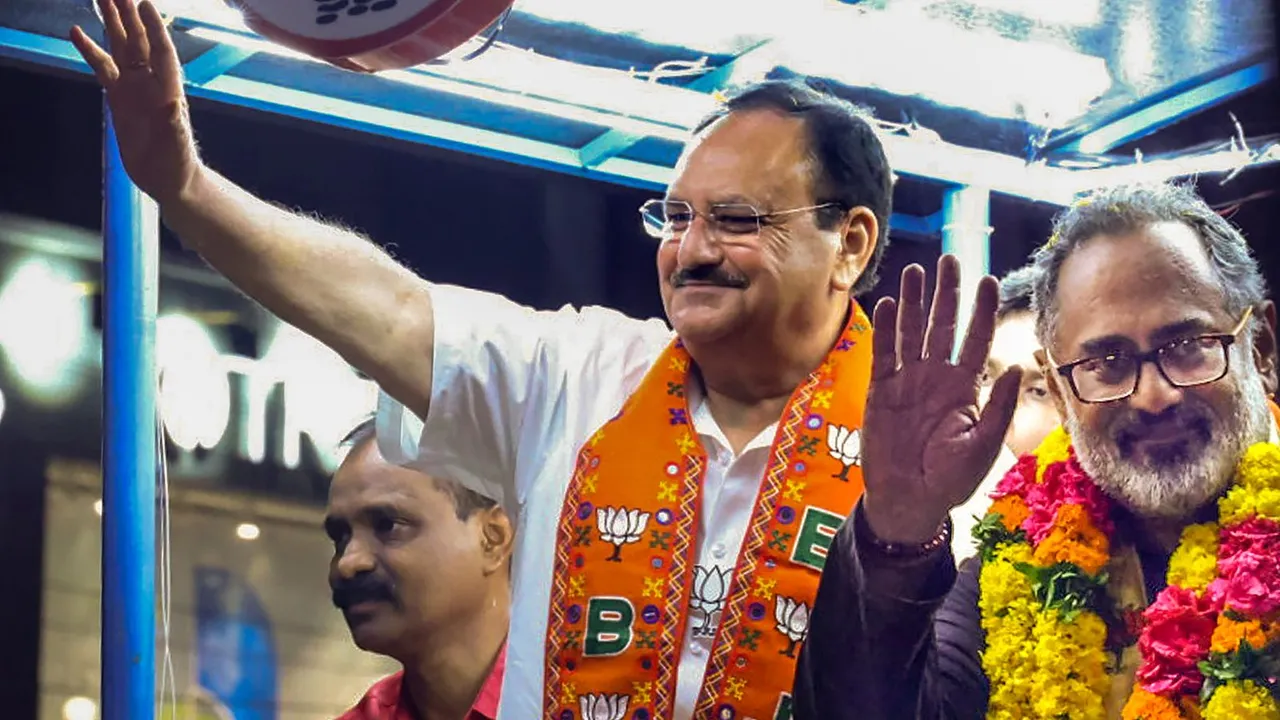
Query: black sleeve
{"type": "Point", "coordinates": [891, 639]}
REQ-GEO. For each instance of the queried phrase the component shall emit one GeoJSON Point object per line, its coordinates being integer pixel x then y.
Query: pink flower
{"type": "Point", "coordinates": [1179, 626]}
{"type": "Point", "coordinates": [1019, 478]}
{"type": "Point", "coordinates": [1065, 483]}
{"type": "Point", "coordinates": [1248, 572]}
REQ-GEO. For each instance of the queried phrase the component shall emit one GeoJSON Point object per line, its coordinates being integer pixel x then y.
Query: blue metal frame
{"type": "Point", "coordinates": [204, 82]}
{"type": "Point", "coordinates": [131, 247]}
{"type": "Point", "coordinates": [505, 142]}
{"type": "Point", "coordinates": [614, 142]}
{"type": "Point", "coordinates": [1163, 109]}
{"type": "Point", "coordinates": [966, 233]}
{"type": "Point", "coordinates": [214, 62]}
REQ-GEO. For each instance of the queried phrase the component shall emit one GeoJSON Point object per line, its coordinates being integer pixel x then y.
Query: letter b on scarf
{"type": "Point", "coordinates": [609, 623]}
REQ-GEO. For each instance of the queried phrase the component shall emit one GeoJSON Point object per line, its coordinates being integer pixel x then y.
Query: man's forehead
{"type": "Point", "coordinates": [756, 155]}
{"type": "Point", "coordinates": [366, 479]}
{"type": "Point", "coordinates": [1134, 286]}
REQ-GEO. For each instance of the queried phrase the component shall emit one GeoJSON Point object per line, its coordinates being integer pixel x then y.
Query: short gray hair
{"type": "Point", "coordinates": [466, 502]}
{"type": "Point", "coordinates": [1128, 208]}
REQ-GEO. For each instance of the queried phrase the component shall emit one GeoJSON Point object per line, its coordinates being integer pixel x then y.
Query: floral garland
{"type": "Point", "coordinates": [1056, 636]}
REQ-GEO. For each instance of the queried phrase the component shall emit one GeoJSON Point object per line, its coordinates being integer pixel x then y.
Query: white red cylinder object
{"type": "Point", "coordinates": [371, 35]}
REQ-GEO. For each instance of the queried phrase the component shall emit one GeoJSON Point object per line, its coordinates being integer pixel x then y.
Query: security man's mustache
{"type": "Point", "coordinates": [362, 588]}
{"type": "Point", "coordinates": [715, 275]}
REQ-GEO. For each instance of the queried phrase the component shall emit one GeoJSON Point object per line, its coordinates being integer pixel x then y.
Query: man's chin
{"type": "Point", "coordinates": [703, 324]}
{"type": "Point", "coordinates": [374, 640]}
{"type": "Point", "coordinates": [372, 631]}
{"type": "Point", "coordinates": [1162, 496]}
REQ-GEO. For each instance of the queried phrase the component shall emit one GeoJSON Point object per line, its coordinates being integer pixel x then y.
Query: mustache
{"type": "Point", "coordinates": [362, 588]}
{"type": "Point", "coordinates": [1138, 424]}
{"type": "Point", "coordinates": [707, 275]}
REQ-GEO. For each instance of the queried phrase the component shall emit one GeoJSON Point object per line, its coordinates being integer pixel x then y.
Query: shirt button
{"type": "Point", "coordinates": [717, 551]}
{"type": "Point", "coordinates": [698, 649]}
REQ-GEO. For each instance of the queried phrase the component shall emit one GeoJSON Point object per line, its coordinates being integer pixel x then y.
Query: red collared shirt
{"type": "Point", "coordinates": [386, 700]}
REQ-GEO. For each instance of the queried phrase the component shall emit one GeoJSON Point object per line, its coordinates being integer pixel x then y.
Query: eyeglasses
{"type": "Point", "coordinates": [1183, 363]}
{"type": "Point", "coordinates": [670, 219]}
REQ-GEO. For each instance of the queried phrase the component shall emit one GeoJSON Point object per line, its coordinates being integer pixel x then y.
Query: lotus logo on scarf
{"type": "Point", "coordinates": [620, 526]}
{"type": "Point", "coordinates": [710, 585]}
{"type": "Point", "coordinates": [793, 622]}
{"type": "Point", "coordinates": [599, 706]}
{"type": "Point", "coordinates": [845, 445]}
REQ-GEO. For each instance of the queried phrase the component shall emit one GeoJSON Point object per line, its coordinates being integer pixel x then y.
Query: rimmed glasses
{"type": "Point", "coordinates": [670, 219]}
{"type": "Point", "coordinates": [1183, 363]}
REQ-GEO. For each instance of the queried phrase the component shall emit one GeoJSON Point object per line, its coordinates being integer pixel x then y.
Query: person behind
{"type": "Point", "coordinates": [669, 554]}
{"type": "Point", "coordinates": [1014, 344]}
{"type": "Point", "coordinates": [420, 571]}
{"type": "Point", "coordinates": [1159, 346]}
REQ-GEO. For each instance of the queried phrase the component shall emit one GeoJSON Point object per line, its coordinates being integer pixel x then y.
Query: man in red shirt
{"type": "Point", "coordinates": [420, 571]}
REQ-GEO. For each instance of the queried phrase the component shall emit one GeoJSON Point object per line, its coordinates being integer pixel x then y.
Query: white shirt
{"type": "Point", "coordinates": [966, 517]}
{"type": "Point", "coordinates": [515, 393]}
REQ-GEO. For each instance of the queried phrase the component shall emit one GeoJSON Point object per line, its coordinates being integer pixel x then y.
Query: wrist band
{"type": "Point", "coordinates": [909, 550]}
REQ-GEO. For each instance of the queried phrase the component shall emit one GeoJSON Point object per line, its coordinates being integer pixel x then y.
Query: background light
{"type": "Point", "coordinates": [248, 531]}
{"type": "Point", "coordinates": [44, 319]}
{"type": "Point", "coordinates": [323, 397]}
{"type": "Point", "coordinates": [195, 393]}
{"type": "Point", "coordinates": [79, 708]}
{"type": "Point", "coordinates": [97, 507]}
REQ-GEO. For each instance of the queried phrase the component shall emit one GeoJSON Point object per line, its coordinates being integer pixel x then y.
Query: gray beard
{"type": "Point", "coordinates": [1180, 489]}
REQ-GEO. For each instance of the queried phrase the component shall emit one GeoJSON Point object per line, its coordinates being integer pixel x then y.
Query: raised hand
{"type": "Point", "coordinates": [143, 80]}
{"type": "Point", "coordinates": [926, 445]}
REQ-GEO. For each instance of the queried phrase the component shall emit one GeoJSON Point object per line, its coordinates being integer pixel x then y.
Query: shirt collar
{"type": "Point", "coordinates": [388, 700]}
{"type": "Point", "coordinates": [486, 705]}
{"type": "Point", "coordinates": [704, 423]}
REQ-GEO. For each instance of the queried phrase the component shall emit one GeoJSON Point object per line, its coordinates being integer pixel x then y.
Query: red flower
{"type": "Point", "coordinates": [1249, 567]}
{"type": "Point", "coordinates": [1179, 627]}
{"type": "Point", "coordinates": [1065, 482]}
{"type": "Point", "coordinates": [1019, 478]}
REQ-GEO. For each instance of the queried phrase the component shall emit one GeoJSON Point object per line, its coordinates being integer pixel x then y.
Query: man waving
{"type": "Point", "coordinates": [676, 492]}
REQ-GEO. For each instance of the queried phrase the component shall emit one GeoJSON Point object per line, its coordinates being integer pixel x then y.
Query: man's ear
{"type": "Point", "coordinates": [497, 538]}
{"type": "Point", "coordinates": [859, 234]}
{"type": "Point", "coordinates": [1055, 382]}
{"type": "Point", "coordinates": [1264, 348]}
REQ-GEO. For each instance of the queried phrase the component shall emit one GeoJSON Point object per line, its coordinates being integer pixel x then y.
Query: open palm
{"type": "Point", "coordinates": [927, 446]}
{"type": "Point", "coordinates": [143, 80]}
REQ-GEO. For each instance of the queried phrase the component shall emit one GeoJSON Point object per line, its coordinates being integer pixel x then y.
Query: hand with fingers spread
{"type": "Point", "coordinates": [926, 445]}
{"type": "Point", "coordinates": [143, 80]}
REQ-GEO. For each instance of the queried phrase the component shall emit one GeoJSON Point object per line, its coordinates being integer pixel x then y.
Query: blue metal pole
{"type": "Point", "coordinates": [130, 267]}
{"type": "Point", "coordinates": [966, 233]}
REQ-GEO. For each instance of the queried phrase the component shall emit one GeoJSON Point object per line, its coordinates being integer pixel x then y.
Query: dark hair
{"type": "Point", "coordinates": [850, 167]}
{"type": "Point", "coordinates": [466, 502]}
{"type": "Point", "coordinates": [1128, 208]}
{"type": "Point", "coordinates": [1016, 289]}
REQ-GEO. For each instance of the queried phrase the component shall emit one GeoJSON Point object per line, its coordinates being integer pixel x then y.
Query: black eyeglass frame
{"type": "Point", "coordinates": [1153, 356]}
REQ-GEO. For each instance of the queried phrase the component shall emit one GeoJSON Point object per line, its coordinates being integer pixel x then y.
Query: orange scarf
{"type": "Point", "coordinates": [625, 548]}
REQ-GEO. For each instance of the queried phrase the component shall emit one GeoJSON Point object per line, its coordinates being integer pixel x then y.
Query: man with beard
{"type": "Point", "coordinates": [420, 571]}
{"type": "Point", "coordinates": [677, 487]}
{"type": "Point", "coordinates": [1159, 347]}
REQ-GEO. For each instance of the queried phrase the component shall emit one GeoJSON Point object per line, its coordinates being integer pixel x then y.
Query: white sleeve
{"type": "Point", "coordinates": [502, 375]}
